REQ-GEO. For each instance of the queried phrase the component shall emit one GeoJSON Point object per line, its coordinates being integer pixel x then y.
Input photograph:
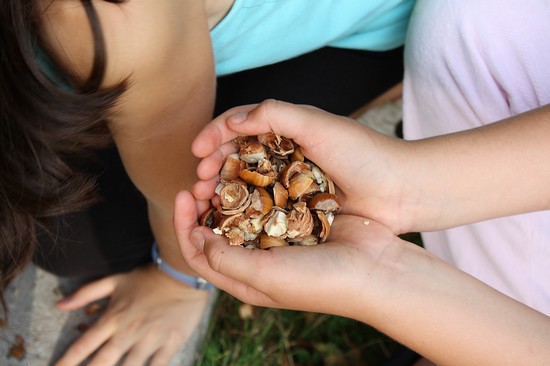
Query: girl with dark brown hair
{"type": "Point", "coordinates": [105, 87]}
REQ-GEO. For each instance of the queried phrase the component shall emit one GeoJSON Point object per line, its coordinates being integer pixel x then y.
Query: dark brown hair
{"type": "Point", "coordinates": [45, 126]}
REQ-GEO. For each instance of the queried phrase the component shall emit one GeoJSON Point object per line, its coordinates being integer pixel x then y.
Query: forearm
{"type": "Point", "coordinates": [154, 145]}
{"type": "Point", "coordinates": [160, 164]}
{"type": "Point", "coordinates": [450, 317]}
{"type": "Point", "coordinates": [493, 171]}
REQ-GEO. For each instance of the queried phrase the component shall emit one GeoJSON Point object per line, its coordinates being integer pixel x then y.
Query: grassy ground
{"type": "Point", "coordinates": [285, 338]}
{"type": "Point", "coordinates": [241, 335]}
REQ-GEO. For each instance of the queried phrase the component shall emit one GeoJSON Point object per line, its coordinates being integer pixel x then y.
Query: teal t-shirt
{"type": "Point", "coordinates": [261, 32]}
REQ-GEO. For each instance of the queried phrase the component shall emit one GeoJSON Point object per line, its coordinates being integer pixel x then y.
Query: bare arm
{"type": "Point", "coordinates": [170, 98]}
{"type": "Point", "coordinates": [496, 170]}
{"type": "Point", "coordinates": [454, 319]}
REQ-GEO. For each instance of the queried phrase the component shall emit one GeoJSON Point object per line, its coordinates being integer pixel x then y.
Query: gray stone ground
{"type": "Point", "coordinates": [47, 332]}
{"type": "Point", "coordinates": [383, 118]}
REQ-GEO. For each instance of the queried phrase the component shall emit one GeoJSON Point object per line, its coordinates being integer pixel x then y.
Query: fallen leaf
{"type": "Point", "coordinates": [17, 350]}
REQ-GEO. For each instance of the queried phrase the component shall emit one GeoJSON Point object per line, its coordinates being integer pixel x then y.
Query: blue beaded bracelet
{"type": "Point", "coordinates": [198, 283]}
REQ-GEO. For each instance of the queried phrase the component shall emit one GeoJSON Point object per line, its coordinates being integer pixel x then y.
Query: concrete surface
{"type": "Point", "coordinates": [383, 118]}
{"type": "Point", "coordinates": [47, 332]}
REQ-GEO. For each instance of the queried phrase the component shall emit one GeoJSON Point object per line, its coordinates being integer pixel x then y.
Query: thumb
{"type": "Point", "coordinates": [306, 125]}
{"type": "Point", "coordinates": [185, 220]}
{"type": "Point", "coordinates": [204, 251]}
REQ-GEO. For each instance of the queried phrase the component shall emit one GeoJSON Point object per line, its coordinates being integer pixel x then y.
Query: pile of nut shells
{"type": "Point", "coordinates": [271, 195]}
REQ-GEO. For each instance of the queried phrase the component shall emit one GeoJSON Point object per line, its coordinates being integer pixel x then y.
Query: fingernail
{"type": "Point", "coordinates": [197, 239]}
{"type": "Point", "coordinates": [238, 118]}
{"type": "Point", "coordinates": [64, 300]}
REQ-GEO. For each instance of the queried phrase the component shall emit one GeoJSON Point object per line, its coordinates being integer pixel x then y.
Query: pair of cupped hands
{"type": "Point", "coordinates": [321, 278]}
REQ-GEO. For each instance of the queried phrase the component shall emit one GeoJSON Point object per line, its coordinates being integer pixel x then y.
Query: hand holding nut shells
{"type": "Point", "coordinates": [271, 195]}
{"type": "Point", "coordinates": [368, 169]}
{"type": "Point", "coordinates": [319, 278]}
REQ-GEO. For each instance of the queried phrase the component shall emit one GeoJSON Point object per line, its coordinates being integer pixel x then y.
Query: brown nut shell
{"type": "Point", "coordinates": [231, 168]}
{"type": "Point", "coordinates": [252, 152]}
{"type": "Point", "coordinates": [324, 226]}
{"type": "Point", "coordinates": [276, 224]}
{"type": "Point", "coordinates": [261, 203]}
{"type": "Point", "coordinates": [230, 227]}
{"type": "Point", "coordinates": [325, 202]}
{"type": "Point", "coordinates": [305, 241]}
{"type": "Point", "coordinates": [300, 221]}
{"type": "Point", "coordinates": [267, 242]}
{"type": "Point", "coordinates": [297, 155]}
{"type": "Point", "coordinates": [210, 218]}
{"type": "Point", "coordinates": [277, 144]}
{"type": "Point", "coordinates": [300, 185]}
{"type": "Point", "coordinates": [280, 195]}
{"type": "Point", "coordinates": [292, 169]}
{"type": "Point", "coordinates": [234, 198]}
{"type": "Point", "coordinates": [255, 178]}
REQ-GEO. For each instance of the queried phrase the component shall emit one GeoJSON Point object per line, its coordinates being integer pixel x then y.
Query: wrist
{"type": "Point", "coordinates": [392, 271]}
{"type": "Point", "coordinates": [196, 282]}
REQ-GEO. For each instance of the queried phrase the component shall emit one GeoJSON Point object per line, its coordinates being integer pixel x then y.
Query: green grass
{"type": "Point", "coordinates": [286, 338]}
{"type": "Point", "coordinates": [283, 337]}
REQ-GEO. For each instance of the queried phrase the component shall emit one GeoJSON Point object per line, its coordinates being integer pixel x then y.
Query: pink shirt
{"type": "Point", "coordinates": [469, 63]}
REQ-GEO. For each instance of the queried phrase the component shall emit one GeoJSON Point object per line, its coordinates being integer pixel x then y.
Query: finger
{"type": "Point", "coordinates": [268, 271]}
{"type": "Point", "coordinates": [205, 189]}
{"type": "Point", "coordinates": [194, 256]}
{"type": "Point", "coordinates": [163, 356]}
{"type": "Point", "coordinates": [210, 165]}
{"type": "Point", "coordinates": [87, 344]}
{"type": "Point", "coordinates": [250, 267]}
{"type": "Point", "coordinates": [216, 133]}
{"type": "Point", "coordinates": [111, 352]}
{"type": "Point", "coordinates": [324, 138]}
{"type": "Point", "coordinates": [184, 222]}
{"type": "Point", "coordinates": [89, 293]}
{"type": "Point", "coordinates": [242, 287]}
{"type": "Point", "coordinates": [142, 351]}
{"type": "Point", "coordinates": [202, 206]}
{"type": "Point", "coordinates": [307, 126]}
